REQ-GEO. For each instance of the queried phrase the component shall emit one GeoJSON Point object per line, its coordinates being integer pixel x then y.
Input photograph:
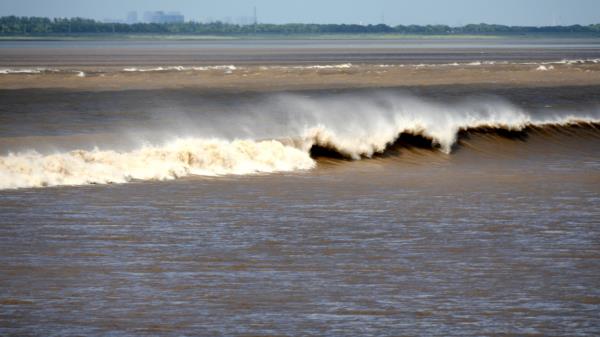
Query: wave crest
{"type": "Point", "coordinates": [368, 128]}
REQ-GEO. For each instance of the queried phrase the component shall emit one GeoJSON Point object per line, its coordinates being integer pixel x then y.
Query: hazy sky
{"type": "Point", "coordinates": [452, 12]}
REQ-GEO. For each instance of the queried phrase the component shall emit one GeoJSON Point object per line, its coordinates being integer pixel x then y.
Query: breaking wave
{"type": "Point", "coordinates": [280, 134]}
{"type": "Point", "coordinates": [178, 158]}
{"type": "Point", "coordinates": [369, 127]}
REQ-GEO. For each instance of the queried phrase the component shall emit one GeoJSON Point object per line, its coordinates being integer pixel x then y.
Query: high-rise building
{"type": "Point", "coordinates": [245, 20]}
{"type": "Point", "coordinates": [132, 17]}
{"type": "Point", "coordinates": [162, 17]}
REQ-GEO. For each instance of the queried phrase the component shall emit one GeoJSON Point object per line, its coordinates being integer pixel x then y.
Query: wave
{"type": "Point", "coordinates": [285, 133]}
{"type": "Point", "coordinates": [38, 71]}
{"type": "Point", "coordinates": [442, 140]}
{"type": "Point", "coordinates": [309, 67]}
{"type": "Point", "coordinates": [357, 128]}
{"type": "Point", "coordinates": [6, 71]}
{"type": "Point", "coordinates": [228, 69]}
{"type": "Point", "coordinates": [178, 158]}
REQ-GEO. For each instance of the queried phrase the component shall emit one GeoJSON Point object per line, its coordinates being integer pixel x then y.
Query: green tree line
{"type": "Point", "coordinates": [12, 25]}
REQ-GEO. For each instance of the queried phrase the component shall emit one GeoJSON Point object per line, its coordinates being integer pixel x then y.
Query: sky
{"type": "Point", "coordinates": [392, 12]}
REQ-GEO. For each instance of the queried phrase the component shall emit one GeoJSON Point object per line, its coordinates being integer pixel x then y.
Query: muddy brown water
{"type": "Point", "coordinates": [501, 236]}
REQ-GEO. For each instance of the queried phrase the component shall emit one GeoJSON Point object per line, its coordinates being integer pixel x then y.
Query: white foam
{"type": "Point", "coordinates": [178, 158]}
{"type": "Point", "coordinates": [327, 66]}
{"type": "Point", "coordinates": [6, 71]}
{"type": "Point", "coordinates": [314, 67]}
{"type": "Point", "coordinates": [542, 67]}
{"type": "Point", "coordinates": [489, 63]}
{"type": "Point", "coordinates": [225, 68]}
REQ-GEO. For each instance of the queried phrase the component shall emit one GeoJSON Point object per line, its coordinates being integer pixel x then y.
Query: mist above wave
{"type": "Point", "coordinates": [357, 127]}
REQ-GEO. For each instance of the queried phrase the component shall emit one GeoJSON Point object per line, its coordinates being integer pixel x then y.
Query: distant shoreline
{"type": "Point", "coordinates": [201, 37]}
{"type": "Point", "coordinates": [43, 28]}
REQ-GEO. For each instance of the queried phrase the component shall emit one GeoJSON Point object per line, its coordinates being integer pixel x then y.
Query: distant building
{"type": "Point", "coordinates": [245, 20]}
{"type": "Point", "coordinates": [162, 17]}
{"type": "Point", "coordinates": [132, 17]}
{"type": "Point", "coordinates": [108, 20]}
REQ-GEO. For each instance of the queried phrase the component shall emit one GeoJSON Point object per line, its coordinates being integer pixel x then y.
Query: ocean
{"type": "Point", "coordinates": [330, 187]}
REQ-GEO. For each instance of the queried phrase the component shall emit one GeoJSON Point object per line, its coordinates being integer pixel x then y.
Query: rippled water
{"type": "Point", "coordinates": [361, 249]}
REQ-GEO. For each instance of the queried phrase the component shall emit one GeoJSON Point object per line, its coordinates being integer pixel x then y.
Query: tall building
{"type": "Point", "coordinates": [162, 17]}
{"type": "Point", "coordinates": [132, 17]}
{"type": "Point", "coordinates": [245, 20]}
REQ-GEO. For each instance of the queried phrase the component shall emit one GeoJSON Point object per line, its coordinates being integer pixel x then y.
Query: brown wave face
{"type": "Point", "coordinates": [572, 139]}
{"type": "Point", "coordinates": [405, 141]}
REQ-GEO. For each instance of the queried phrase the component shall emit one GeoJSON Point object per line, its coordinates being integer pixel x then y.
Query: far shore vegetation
{"type": "Point", "coordinates": [31, 28]}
